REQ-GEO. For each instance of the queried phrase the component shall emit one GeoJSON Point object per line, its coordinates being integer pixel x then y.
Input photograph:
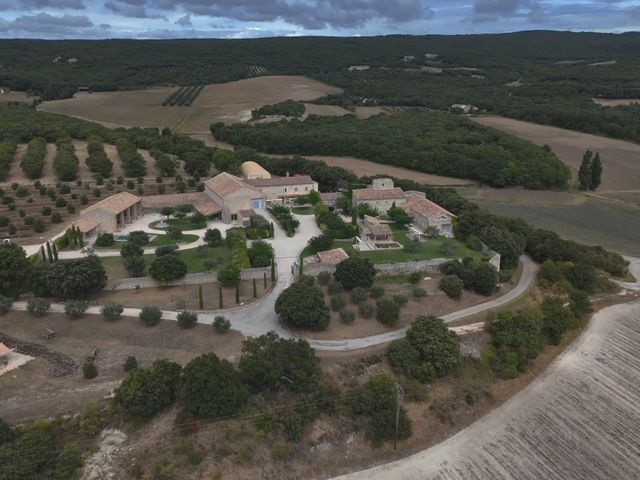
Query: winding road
{"type": "Point", "coordinates": [259, 318]}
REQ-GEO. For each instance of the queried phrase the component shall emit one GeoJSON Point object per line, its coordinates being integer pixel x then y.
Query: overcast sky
{"type": "Point", "coordinates": [263, 18]}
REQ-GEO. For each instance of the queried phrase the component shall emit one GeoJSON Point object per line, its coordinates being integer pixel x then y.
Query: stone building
{"type": "Point", "coordinates": [110, 214]}
{"type": "Point", "coordinates": [381, 195]}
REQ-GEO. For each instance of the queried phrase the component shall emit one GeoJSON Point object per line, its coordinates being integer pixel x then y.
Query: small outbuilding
{"type": "Point", "coordinates": [112, 213]}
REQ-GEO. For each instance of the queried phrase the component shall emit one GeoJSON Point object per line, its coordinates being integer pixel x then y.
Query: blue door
{"type": "Point", "coordinates": [256, 203]}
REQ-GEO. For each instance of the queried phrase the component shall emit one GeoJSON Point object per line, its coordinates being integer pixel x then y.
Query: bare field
{"type": "Point", "coordinates": [366, 167]}
{"type": "Point", "coordinates": [32, 392]}
{"type": "Point", "coordinates": [522, 196]}
{"type": "Point", "coordinates": [135, 108]}
{"type": "Point", "coordinates": [15, 97]}
{"type": "Point", "coordinates": [579, 420]}
{"type": "Point", "coordinates": [616, 102]}
{"type": "Point", "coordinates": [619, 158]}
{"type": "Point", "coordinates": [324, 110]}
{"type": "Point", "coordinates": [225, 102]}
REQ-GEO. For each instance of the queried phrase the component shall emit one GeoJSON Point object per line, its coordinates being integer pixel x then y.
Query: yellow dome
{"type": "Point", "coordinates": [253, 171]}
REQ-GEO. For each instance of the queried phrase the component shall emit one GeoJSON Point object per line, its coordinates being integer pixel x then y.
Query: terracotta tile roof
{"type": "Point", "coordinates": [330, 196]}
{"type": "Point", "coordinates": [363, 194]}
{"type": "Point", "coordinates": [246, 213]}
{"type": "Point", "coordinates": [281, 181]}
{"type": "Point", "coordinates": [225, 184]}
{"type": "Point", "coordinates": [4, 350]}
{"type": "Point", "coordinates": [333, 257]}
{"type": "Point", "coordinates": [379, 229]}
{"type": "Point", "coordinates": [115, 203]}
{"type": "Point", "coordinates": [205, 205]}
{"type": "Point", "coordinates": [170, 200]}
{"type": "Point", "coordinates": [419, 206]}
{"type": "Point", "coordinates": [86, 225]}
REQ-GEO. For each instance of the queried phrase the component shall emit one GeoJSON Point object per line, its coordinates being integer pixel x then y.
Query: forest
{"type": "Point", "coordinates": [428, 141]}
{"type": "Point", "coordinates": [542, 76]}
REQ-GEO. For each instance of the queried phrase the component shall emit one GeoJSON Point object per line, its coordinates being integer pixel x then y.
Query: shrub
{"type": "Point", "coordinates": [89, 370]}
{"type": "Point", "coordinates": [46, 211]}
{"type": "Point", "coordinates": [174, 232]}
{"type": "Point", "coordinates": [260, 254]}
{"type": "Point", "coordinates": [135, 266]}
{"type": "Point", "coordinates": [150, 316]}
{"type": "Point", "coordinates": [485, 279]}
{"type": "Point", "coordinates": [400, 300]}
{"type": "Point", "coordinates": [355, 272]}
{"type": "Point", "coordinates": [387, 311]}
{"type": "Point", "coordinates": [418, 292]}
{"type": "Point", "coordinates": [187, 319]}
{"type": "Point", "coordinates": [131, 249]}
{"type": "Point", "coordinates": [138, 237]}
{"type": "Point", "coordinates": [221, 324]}
{"type": "Point", "coordinates": [38, 226]}
{"type": "Point", "coordinates": [5, 304]}
{"type": "Point", "coordinates": [229, 276]}
{"type": "Point", "coordinates": [75, 308]}
{"type": "Point", "coordinates": [376, 292]}
{"type": "Point", "coordinates": [415, 277]}
{"type": "Point", "coordinates": [112, 311]}
{"type": "Point", "coordinates": [334, 287]}
{"type": "Point", "coordinates": [338, 303]}
{"type": "Point", "coordinates": [366, 309]}
{"type": "Point", "coordinates": [166, 250]}
{"type": "Point", "coordinates": [38, 306]}
{"type": "Point", "coordinates": [213, 237]}
{"type": "Point", "coordinates": [347, 316]}
{"type": "Point", "coordinates": [146, 392]}
{"type": "Point", "coordinates": [359, 294]}
{"type": "Point", "coordinates": [320, 243]}
{"type": "Point", "coordinates": [282, 450]}
{"type": "Point", "coordinates": [56, 217]}
{"type": "Point", "coordinates": [452, 286]}
{"type": "Point", "coordinates": [131, 363]}
{"type": "Point", "coordinates": [303, 306]}
{"type": "Point", "coordinates": [60, 202]}
{"type": "Point", "coordinates": [324, 278]}
{"type": "Point", "coordinates": [402, 356]}
{"type": "Point", "coordinates": [437, 345]}
{"type": "Point", "coordinates": [168, 268]}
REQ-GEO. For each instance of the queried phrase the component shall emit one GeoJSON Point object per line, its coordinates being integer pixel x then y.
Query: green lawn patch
{"type": "Point", "coordinates": [160, 240]}
{"type": "Point", "coordinates": [303, 210]}
{"type": "Point", "coordinates": [181, 223]}
{"type": "Point", "coordinates": [429, 250]}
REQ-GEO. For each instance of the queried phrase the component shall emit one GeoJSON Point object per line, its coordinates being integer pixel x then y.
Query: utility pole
{"type": "Point", "coordinates": [399, 395]}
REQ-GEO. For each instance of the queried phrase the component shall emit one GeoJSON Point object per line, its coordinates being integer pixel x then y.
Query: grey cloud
{"type": "Point", "coordinates": [53, 4]}
{"type": "Point", "coordinates": [492, 10]}
{"type": "Point", "coordinates": [311, 14]}
{"type": "Point", "coordinates": [184, 21]}
{"type": "Point", "coordinates": [130, 8]}
{"type": "Point", "coordinates": [43, 23]}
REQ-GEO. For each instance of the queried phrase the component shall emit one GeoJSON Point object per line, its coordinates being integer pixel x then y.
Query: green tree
{"type": "Point", "coordinates": [556, 318]}
{"type": "Point", "coordinates": [229, 276]}
{"type": "Point", "coordinates": [435, 343]}
{"type": "Point", "coordinates": [585, 172]}
{"type": "Point", "coordinates": [269, 362]}
{"type": "Point", "coordinates": [485, 278]}
{"type": "Point", "coordinates": [452, 286]}
{"type": "Point", "coordinates": [596, 172]}
{"type": "Point", "coordinates": [387, 311]}
{"type": "Point", "coordinates": [135, 266]}
{"type": "Point", "coordinates": [302, 305]}
{"type": "Point", "coordinates": [355, 272]}
{"type": "Point", "coordinates": [211, 388]}
{"type": "Point", "coordinates": [260, 254]}
{"type": "Point", "coordinates": [168, 268]}
{"type": "Point", "coordinates": [150, 316]}
{"type": "Point", "coordinates": [15, 270]}
{"type": "Point", "coordinates": [146, 392]}
{"type": "Point", "coordinates": [70, 279]}
{"type": "Point", "coordinates": [131, 249]}
{"type": "Point", "coordinates": [213, 237]}
{"type": "Point", "coordinates": [399, 215]}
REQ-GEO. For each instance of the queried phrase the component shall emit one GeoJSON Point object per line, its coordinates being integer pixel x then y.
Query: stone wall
{"type": "Point", "coordinates": [189, 279]}
{"type": "Point", "coordinates": [494, 257]}
{"type": "Point", "coordinates": [401, 268]}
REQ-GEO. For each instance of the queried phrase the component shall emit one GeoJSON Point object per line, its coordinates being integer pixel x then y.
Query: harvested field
{"type": "Point", "coordinates": [33, 392]}
{"type": "Point", "coordinates": [579, 420]}
{"type": "Point", "coordinates": [366, 112]}
{"type": "Point", "coordinates": [226, 102]}
{"type": "Point", "coordinates": [611, 102]}
{"type": "Point", "coordinates": [324, 110]}
{"type": "Point", "coordinates": [520, 195]}
{"type": "Point", "coordinates": [82, 154]}
{"type": "Point", "coordinates": [135, 108]}
{"type": "Point", "coordinates": [114, 156]}
{"type": "Point", "coordinates": [619, 158]}
{"type": "Point", "coordinates": [15, 97]}
{"type": "Point", "coordinates": [365, 167]}
{"type": "Point", "coordinates": [598, 222]}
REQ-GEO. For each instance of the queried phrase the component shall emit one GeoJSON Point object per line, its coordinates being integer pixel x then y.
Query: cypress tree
{"type": "Point", "coordinates": [42, 254]}
{"type": "Point", "coordinates": [354, 217]}
{"type": "Point", "coordinates": [255, 289]}
{"type": "Point", "coordinates": [49, 254]}
{"type": "Point", "coordinates": [55, 253]}
{"type": "Point", "coordinates": [301, 267]}
{"type": "Point", "coordinates": [220, 302]}
{"type": "Point", "coordinates": [200, 299]}
{"type": "Point", "coordinates": [238, 294]}
{"type": "Point", "coordinates": [596, 172]}
{"type": "Point", "coordinates": [264, 276]}
{"type": "Point", "coordinates": [80, 239]}
{"type": "Point", "coordinates": [273, 271]}
{"type": "Point", "coordinates": [585, 171]}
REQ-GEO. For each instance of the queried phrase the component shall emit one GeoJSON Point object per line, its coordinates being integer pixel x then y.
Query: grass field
{"type": "Point", "coordinates": [195, 259]}
{"type": "Point", "coordinates": [597, 222]}
{"type": "Point", "coordinates": [181, 223]}
{"type": "Point", "coordinates": [227, 102]}
{"type": "Point", "coordinates": [158, 241]}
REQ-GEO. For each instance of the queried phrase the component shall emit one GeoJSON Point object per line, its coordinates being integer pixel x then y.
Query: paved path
{"type": "Point", "coordinates": [634, 269]}
{"type": "Point", "coordinates": [579, 420]}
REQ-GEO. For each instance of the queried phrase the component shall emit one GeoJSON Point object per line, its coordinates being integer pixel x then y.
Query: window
{"type": "Point", "coordinates": [285, 189]}
{"type": "Point", "coordinates": [306, 188]}
{"type": "Point", "coordinates": [295, 189]}
{"type": "Point", "coordinates": [234, 217]}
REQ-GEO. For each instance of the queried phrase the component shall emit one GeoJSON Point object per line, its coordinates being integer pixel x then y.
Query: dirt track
{"type": "Point", "coordinates": [619, 158]}
{"type": "Point", "coordinates": [580, 420]}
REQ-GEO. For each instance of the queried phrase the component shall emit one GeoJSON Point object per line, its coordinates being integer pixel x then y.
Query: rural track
{"type": "Point", "coordinates": [580, 420]}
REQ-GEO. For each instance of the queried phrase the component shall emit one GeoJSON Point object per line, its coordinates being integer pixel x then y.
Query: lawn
{"type": "Point", "coordinates": [160, 240]}
{"type": "Point", "coordinates": [303, 210]}
{"type": "Point", "coordinates": [182, 223]}
{"type": "Point", "coordinates": [195, 259]}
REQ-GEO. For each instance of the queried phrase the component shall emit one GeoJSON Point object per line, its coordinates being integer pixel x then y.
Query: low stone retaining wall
{"type": "Point", "coordinates": [401, 268]}
{"type": "Point", "coordinates": [189, 279]}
